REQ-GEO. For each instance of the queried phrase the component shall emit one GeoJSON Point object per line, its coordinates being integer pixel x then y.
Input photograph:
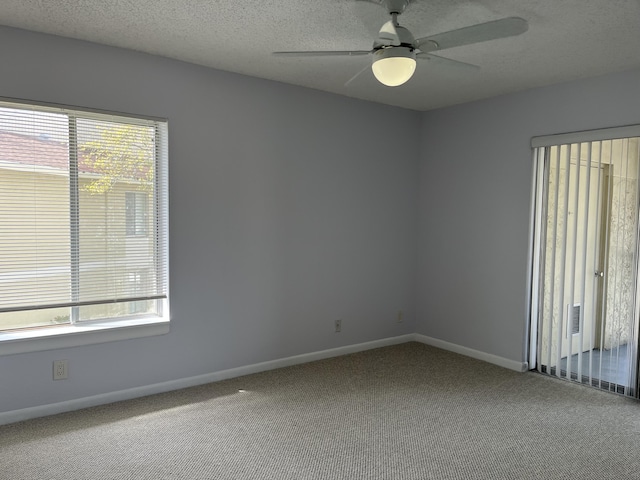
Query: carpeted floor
{"type": "Point", "coordinates": [404, 412]}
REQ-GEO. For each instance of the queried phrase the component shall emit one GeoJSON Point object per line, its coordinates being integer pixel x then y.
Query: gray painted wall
{"type": "Point", "coordinates": [288, 210]}
{"type": "Point", "coordinates": [475, 187]}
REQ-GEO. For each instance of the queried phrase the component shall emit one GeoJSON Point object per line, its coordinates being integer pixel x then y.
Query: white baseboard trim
{"type": "Point", "coordinates": [128, 394]}
{"type": "Point", "coordinates": [470, 352]}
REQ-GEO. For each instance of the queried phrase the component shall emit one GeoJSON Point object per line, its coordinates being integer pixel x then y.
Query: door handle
{"type": "Point", "coordinates": [599, 274]}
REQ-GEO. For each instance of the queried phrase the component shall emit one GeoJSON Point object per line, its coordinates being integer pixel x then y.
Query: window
{"type": "Point", "coordinates": [136, 208]}
{"type": "Point", "coordinates": [83, 218]}
{"type": "Point", "coordinates": [136, 282]}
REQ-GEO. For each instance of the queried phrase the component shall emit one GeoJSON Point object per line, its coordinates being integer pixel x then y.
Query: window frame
{"type": "Point", "coordinates": [134, 325]}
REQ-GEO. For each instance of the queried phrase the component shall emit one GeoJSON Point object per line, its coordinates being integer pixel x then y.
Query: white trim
{"type": "Point", "coordinates": [110, 397]}
{"type": "Point", "coordinates": [76, 404]}
{"type": "Point", "coordinates": [89, 333]}
{"type": "Point", "coordinates": [533, 255]}
{"type": "Point", "coordinates": [470, 352]}
{"type": "Point", "coordinates": [24, 104]}
{"type": "Point", "coordinates": [586, 136]}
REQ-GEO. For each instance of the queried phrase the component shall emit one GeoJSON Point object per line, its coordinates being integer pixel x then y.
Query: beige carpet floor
{"type": "Point", "coordinates": [404, 412]}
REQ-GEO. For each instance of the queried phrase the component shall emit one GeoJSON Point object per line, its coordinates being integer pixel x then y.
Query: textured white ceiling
{"type": "Point", "coordinates": [567, 39]}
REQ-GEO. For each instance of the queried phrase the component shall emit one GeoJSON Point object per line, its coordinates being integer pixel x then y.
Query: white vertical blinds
{"type": "Point", "coordinates": [627, 131]}
{"type": "Point", "coordinates": [585, 276]}
{"type": "Point", "coordinates": [68, 235]}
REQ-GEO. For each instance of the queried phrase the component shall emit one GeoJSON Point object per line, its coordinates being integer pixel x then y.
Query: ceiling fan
{"type": "Point", "coordinates": [395, 50]}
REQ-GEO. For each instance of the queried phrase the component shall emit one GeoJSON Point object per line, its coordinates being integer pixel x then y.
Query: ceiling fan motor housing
{"type": "Point", "coordinates": [396, 6]}
{"type": "Point", "coordinates": [405, 36]}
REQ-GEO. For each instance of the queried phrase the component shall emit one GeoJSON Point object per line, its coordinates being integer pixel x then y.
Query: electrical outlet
{"type": "Point", "coordinates": [60, 369]}
{"type": "Point", "coordinates": [400, 317]}
{"type": "Point", "coordinates": [338, 326]}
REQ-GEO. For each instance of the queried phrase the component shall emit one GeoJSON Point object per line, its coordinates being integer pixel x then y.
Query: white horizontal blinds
{"type": "Point", "coordinates": [74, 216]}
{"type": "Point", "coordinates": [82, 211]}
{"type": "Point", "coordinates": [34, 208]}
{"type": "Point", "coordinates": [161, 209]}
{"type": "Point", "coordinates": [117, 197]}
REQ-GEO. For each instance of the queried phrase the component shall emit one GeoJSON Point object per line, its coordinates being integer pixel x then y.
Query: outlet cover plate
{"type": "Point", "coordinates": [60, 369]}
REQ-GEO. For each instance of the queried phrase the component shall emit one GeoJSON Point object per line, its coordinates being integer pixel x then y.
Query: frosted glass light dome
{"type": "Point", "coordinates": [394, 66]}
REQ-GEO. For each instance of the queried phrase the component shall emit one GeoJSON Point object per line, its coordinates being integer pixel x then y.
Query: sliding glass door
{"type": "Point", "coordinates": [584, 303]}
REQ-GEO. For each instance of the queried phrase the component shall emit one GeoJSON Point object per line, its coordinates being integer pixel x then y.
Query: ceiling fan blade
{"type": "Point", "coordinates": [437, 60]}
{"type": "Point", "coordinates": [327, 53]}
{"type": "Point", "coordinates": [506, 27]}
{"type": "Point", "coordinates": [367, 67]}
{"type": "Point", "coordinates": [388, 35]}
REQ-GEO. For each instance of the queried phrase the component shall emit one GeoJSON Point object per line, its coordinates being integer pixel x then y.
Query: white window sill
{"type": "Point", "coordinates": [38, 339]}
